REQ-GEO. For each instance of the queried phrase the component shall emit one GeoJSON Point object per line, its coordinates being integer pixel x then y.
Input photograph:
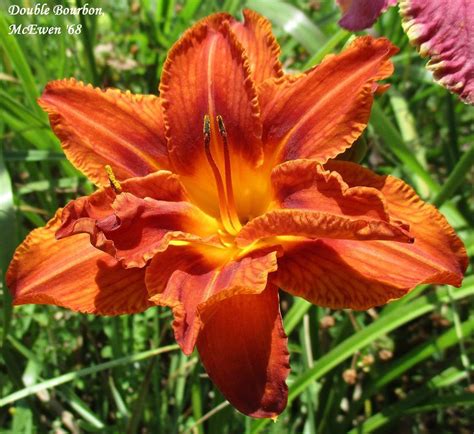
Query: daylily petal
{"type": "Point", "coordinates": [361, 14]}
{"type": "Point", "coordinates": [342, 274]}
{"type": "Point", "coordinates": [73, 274]}
{"type": "Point", "coordinates": [255, 35]}
{"type": "Point", "coordinates": [359, 275]}
{"type": "Point", "coordinates": [85, 211]}
{"type": "Point", "coordinates": [436, 243]}
{"type": "Point", "coordinates": [214, 20]}
{"type": "Point", "coordinates": [244, 349]}
{"type": "Point", "coordinates": [99, 215]}
{"type": "Point", "coordinates": [315, 224]}
{"type": "Point", "coordinates": [199, 71]}
{"type": "Point", "coordinates": [196, 277]}
{"type": "Point", "coordinates": [304, 184]}
{"type": "Point", "coordinates": [111, 127]}
{"type": "Point", "coordinates": [320, 114]}
{"type": "Point", "coordinates": [161, 185]}
{"type": "Point", "coordinates": [137, 228]}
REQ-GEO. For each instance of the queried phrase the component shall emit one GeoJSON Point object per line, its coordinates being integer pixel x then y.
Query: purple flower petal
{"type": "Point", "coordinates": [444, 30]}
{"type": "Point", "coordinates": [361, 14]}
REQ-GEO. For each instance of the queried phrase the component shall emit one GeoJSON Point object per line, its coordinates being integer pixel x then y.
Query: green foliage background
{"type": "Point", "coordinates": [65, 372]}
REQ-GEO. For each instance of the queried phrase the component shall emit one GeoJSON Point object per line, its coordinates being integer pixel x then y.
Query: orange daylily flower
{"type": "Point", "coordinates": [224, 189]}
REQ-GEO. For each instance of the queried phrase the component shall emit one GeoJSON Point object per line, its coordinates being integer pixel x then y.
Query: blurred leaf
{"type": "Point", "coordinates": [394, 412]}
{"type": "Point", "coordinates": [34, 155]}
{"type": "Point", "coordinates": [292, 20]}
{"type": "Point", "coordinates": [418, 354]}
{"type": "Point", "coordinates": [341, 36]}
{"type": "Point", "coordinates": [22, 68]}
{"type": "Point", "coordinates": [294, 316]}
{"type": "Point", "coordinates": [8, 229]}
{"type": "Point", "coordinates": [456, 177]}
{"type": "Point", "coordinates": [71, 376]}
{"type": "Point", "coordinates": [392, 137]}
{"type": "Point", "coordinates": [424, 183]}
{"type": "Point", "coordinates": [61, 183]}
{"type": "Point", "coordinates": [22, 421]}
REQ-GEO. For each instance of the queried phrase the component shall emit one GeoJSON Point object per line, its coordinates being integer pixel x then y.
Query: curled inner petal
{"type": "Point", "coordinates": [142, 220]}
{"type": "Point", "coordinates": [139, 228]}
{"type": "Point", "coordinates": [314, 224]}
{"type": "Point", "coordinates": [196, 277]}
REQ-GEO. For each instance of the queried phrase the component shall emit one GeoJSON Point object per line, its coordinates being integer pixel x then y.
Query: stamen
{"type": "Point", "coordinates": [113, 180]}
{"type": "Point", "coordinates": [234, 218]}
{"type": "Point", "coordinates": [217, 176]}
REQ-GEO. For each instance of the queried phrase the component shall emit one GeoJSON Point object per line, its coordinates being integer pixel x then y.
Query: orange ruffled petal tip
{"type": "Point", "coordinates": [224, 189]}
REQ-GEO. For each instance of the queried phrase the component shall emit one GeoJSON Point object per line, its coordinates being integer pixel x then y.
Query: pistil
{"type": "Point", "coordinates": [223, 209]}
{"type": "Point", "coordinates": [234, 218]}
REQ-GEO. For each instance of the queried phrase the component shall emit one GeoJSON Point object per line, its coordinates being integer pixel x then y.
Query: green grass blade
{"type": "Point", "coordinates": [196, 399]}
{"type": "Point", "coordinates": [443, 401]}
{"type": "Point", "coordinates": [392, 137]}
{"type": "Point", "coordinates": [407, 126]}
{"type": "Point", "coordinates": [71, 376]}
{"type": "Point", "coordinates": [424, 183]}
{"type": "Point", "coordinates": [22, 421]}
{"type": "Point", "coordinates": [118, 399]}
{"type": "Point", "coordinates": [394, 412]}
{"type": "Point", "coordinates": [450, 147]}
{"type": "Point", "coordinates": [34, 155]}
{"type": "Point", "coordinates": [22, 68]}
{"type": "Point", "coordinates": [8, 229]}
{"type": "Point", "coordinates": [456, 177]}
{"type": "Point", "coordinates": [460, 334]}
{"type": "Point", "coordinates": [139, 406]}
{"type": "Point", "coordinates": [82, 409]}
{"type": "Point", "coordinates": [88, 45]}
{"type": "Point", "coordinates": [341, 36]}
{"type": "Point", "coordinates": [61, 183]}
{"type": "Point", "coordinates": [189, 9]}
{"type": "Point", "coordinates": [294, 316]}
{"type": "Point", "coordinates": [402, 364]}
{"type": "Point", "coordinates": [8, 103]}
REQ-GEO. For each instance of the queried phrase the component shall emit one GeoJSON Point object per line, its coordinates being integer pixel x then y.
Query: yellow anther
{"type": "Point", "coordinates": [113, 180]}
